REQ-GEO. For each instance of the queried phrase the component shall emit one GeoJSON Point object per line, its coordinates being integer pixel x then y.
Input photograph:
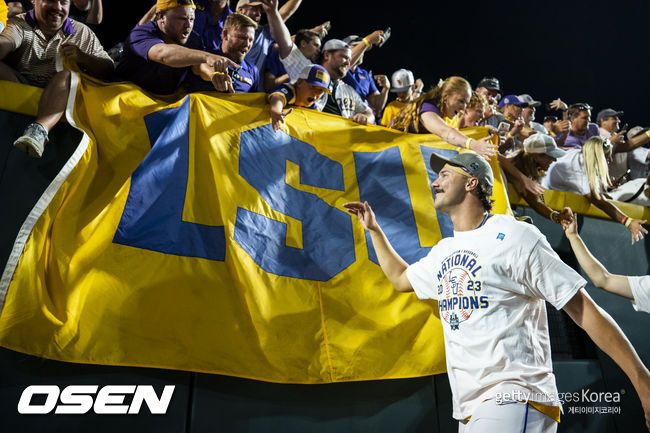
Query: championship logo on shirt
{"type": "Point", "coordinates": [459, 288]}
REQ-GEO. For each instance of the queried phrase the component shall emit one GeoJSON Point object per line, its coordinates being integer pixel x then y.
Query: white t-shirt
{"type": "Point", "coordinates": [638, 162]}
{"type": "Point", "coordinates": [294, 63]}
{"type": "Point", "coordinates": [491, 284]}
{"type": "Point", "coordinates": [641, 291]}
{"type": "Point", "coordinates": [628, 189]}
{"type": "Point", "coordinates": [568, 174]}
{"type": "Point", "coordinates": [348, 100]}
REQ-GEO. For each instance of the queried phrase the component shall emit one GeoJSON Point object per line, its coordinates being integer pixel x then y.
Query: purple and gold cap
{"type": "Point", "coordinates": [316, 75]}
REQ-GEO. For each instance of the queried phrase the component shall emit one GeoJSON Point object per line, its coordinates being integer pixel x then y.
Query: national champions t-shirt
{"type": "Point", "coordinates": [491, 284]}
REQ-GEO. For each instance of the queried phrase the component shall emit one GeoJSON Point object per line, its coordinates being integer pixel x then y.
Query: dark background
{"type": "Point", "coordinates": [582, 51]}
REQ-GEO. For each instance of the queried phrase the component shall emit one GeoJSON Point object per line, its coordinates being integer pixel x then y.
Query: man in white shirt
{"type": "Point", "coordinates": [491, 280]}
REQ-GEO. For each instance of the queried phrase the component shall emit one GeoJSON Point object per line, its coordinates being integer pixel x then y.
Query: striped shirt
{"type": "Point", "coordinates": [34, 55]}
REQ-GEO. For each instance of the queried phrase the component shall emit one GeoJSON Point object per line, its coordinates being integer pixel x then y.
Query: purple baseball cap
{"type": "Point", "coordinates": [316, 75]}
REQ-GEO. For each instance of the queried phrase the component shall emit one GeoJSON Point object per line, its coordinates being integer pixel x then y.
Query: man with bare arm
{"type": "Point", "coordinates": [491, 281]}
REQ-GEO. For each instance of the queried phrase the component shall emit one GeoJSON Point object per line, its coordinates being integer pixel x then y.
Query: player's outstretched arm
{"type": "Point", "coordinates": [597, 273]}
{"type": "Point", "coordinates": [607, 335]}
{"type": "Point", "coordinates": [391, 263]}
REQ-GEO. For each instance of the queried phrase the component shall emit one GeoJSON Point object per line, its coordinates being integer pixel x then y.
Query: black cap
{"type": "Point", "coordinates": [490, 83]}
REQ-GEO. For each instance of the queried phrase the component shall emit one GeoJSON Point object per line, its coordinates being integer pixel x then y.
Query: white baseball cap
{"type": "Point", "coordinates": [401, 80]}
{"type": "Point", "coordinates": [529, 100]}
{"type": "Point", "coordinates": [542, 143]}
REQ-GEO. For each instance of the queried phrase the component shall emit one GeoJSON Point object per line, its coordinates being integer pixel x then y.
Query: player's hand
{"type": "Point", "coordinates": [360, 118]}
{"type": "Point", "coordinates": [484, 147]}
{"type": "Point", "coordinates": [637, 230]}
{"type": "Point", "coordinates": [277, 118]}
{"type": "Point", "coordinates": [569, 222]}
{"type": "Point", "coordinates": [364, 212]}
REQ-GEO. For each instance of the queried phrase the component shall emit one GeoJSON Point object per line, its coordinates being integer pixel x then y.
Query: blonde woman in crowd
{"type": "Point", "coordinates": [436, 112]}
{"type": "Point", "coordinates": [585, 172]}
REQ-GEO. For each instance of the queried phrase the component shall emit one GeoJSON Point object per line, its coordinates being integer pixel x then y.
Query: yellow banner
{"type": "Point", "coordinates": [189, 235]}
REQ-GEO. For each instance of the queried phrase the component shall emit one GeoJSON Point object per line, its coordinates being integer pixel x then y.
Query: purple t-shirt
{"type": "Point", "coordinates": [361, 81]}
{"type": "Point", "coordinates": [152, 76]}
{"type": "Point", "coordinates": [427, 106]}
{"type": "Point", "coordinates": [576, 141]}
{"type": "Point", "coordinates": [209, 32]}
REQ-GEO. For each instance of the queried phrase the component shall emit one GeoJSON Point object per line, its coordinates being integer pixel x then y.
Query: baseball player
{"type": "Point", "coordinates": [491, 280]}
{"type": "Point", "coordinates": [635, 288]}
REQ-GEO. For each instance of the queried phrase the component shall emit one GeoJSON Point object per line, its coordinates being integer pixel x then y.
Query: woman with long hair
{"type": "Point", "coordinates": [435, 112]}
{"type": "Point", "coordinates": [584, 171]}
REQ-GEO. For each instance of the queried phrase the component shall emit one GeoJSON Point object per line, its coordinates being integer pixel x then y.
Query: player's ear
{"type": "Point", "coordinates": [471, 184]}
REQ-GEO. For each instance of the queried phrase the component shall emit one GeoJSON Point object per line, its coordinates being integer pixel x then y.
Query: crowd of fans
{"type": "Point", "coordinates": [183, 46]}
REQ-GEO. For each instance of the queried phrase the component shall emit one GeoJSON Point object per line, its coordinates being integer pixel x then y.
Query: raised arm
{"type": "Point", "coordinates": [289, 8]}
{"type": "Point", "coordinates": [148, 16]}
{"type": "Point", "coordinates": [597, 273]}
{"type": "Point", "coordinates": [96, 13]}
{"type": "Point", "coordinates": [377, 101]}
{"type": "Point", "coordinates": [374, 38]}
{"type": "Point", "coordinates": [607, 335]}
{"type": "Point", "coordinates": [278, 29]}
{"type": "Point", "coordinates": [391, 263]}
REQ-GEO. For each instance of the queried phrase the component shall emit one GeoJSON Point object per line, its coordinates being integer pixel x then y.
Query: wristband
{"type": "Point", "coordinates": [467, 143]}
{"type": "Point", "coordinates": [365, 41]}
{"type": "Point", "coordinates": [624, 220]}
{"type": "Point", "coordinates": [647, 133]}
{"type": "Point", "coordinates": [509, 135]}
{"type": "Point", "coordinates": [628, 222]}
{"type": "Point", "coordinates": [555, 216]}
{"type": "Point", "coordinates": [216, 73]}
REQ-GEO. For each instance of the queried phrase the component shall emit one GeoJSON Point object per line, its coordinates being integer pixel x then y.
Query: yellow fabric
{"type": "Point", "coordinates": [552, 412]}
{"type": "Point", "coordinates": [453, 121]}
{"type": "Point", "coordinates": [3, 12]}
{"type": "Point", "coordinates": [391, 111]}
{"type": "Point", "coordinates": [559, 200]}
{"type": "Point", "coordinates": [76, 295]}
{"type": "Point", "coordinates": [163, 5]}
